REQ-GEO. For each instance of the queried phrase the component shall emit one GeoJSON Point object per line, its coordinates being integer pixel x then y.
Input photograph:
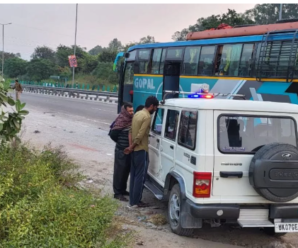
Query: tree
{"type": "Point", "coordinates": [104, 71]}
{"type": "Point", "coordinates": [231, 18]}
{"type": "Point", "coordinates": [107, 55]}
{"type": "Point", "coordinates": [147, 39]}
{"type": "Point", "coordinates": [180, 35]}
{"type": "Point", "coordinates": [43, 52]}
{"type": "Point", "coordinates": [64, 71]}
{"type": "Point", "coordinates": [128, 45]}
{"type": "Point", "coordinates": [96, 50]}
{"type": "Point", "coordinates": [63, 52]}
{"type": "Point", "coordinates": [88, 63]}
{"type": "Point", "coordinates": [269, 13]}
{"type": "Point", "coordinates": [39, 69]}
{"type": "Point", "coordinates": [115, 45]}
{"type": "Point", "coordinates": [9, 56]}
{"type": "Point", "coordinates": [144, 40]}
{"type": "Point", "coordinates": [15, 67]}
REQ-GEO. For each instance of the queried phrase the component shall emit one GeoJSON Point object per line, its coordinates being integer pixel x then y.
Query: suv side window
{"type": "Point", "coordinates": [188, 129]}
{"type": "Point", "coordinates": [171, 124]}
{"type": "Point", "coordinates": [158, 121]}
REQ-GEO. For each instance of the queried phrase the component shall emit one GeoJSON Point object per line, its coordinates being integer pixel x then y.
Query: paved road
{"type": "Point", "coordinates": [102, 113]}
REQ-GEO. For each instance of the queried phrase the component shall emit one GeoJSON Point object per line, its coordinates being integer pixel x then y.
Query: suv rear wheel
{"type": "Point", "coordinates": [174, 213]}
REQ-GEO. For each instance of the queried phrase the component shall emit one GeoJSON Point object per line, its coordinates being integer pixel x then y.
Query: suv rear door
{"type": "Point", "coordinates": [237, 138]}
{"type": "Point", "coordinates": [230, 167]}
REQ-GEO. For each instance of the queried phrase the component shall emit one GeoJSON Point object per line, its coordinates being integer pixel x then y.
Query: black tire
{"type": "Point", "coordinates": [271, 232]}
{"type": "Point", "coordinates": [174, 215]}
{"type": "Point", "coordinates": [273, 152]}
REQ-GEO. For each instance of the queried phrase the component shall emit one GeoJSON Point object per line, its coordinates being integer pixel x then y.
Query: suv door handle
{"type": "Point", "coordinates": [226, 174]}
{"type": "Point", "coordinates": [172, 147]}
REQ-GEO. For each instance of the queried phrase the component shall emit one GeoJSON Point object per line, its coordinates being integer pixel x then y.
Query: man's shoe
{"type": "Point", "coordinates": [120, 198]}
{"type": "Point", "coordinates": [126, 193]}
{"type": "Point", "coordinates": [134, 207]}
{"type": "Point", "coordinates": [143, 204]}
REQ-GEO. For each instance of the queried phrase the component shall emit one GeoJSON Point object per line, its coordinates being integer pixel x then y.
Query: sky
{"type": "Point", "coordinates": [54, 24]}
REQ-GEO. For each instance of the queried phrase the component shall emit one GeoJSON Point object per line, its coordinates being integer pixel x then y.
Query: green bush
{"type": "Point", "coordinates": [38, 210]}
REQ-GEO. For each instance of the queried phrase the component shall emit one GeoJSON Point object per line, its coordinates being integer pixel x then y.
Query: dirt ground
{"type": "Point", "coordinates": [87, 143]}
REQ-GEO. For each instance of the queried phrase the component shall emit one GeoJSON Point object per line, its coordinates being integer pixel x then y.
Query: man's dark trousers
{"type": "Point", "coordinates": [121, 171]}
{"type": "Point", "coordinates": [138, 172]}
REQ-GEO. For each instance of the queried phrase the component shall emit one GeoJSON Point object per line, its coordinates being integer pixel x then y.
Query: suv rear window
{"type": "Point", "coordinates": [247, 134]}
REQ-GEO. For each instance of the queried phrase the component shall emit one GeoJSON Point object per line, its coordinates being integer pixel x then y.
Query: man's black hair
{"type": "Point", "coordinates": [127, 105]}
{"type": "Point", "coordinates": [139, 108]}
{"type": "Point", "coordinates": [151, 100]}
{"type": "Point", "coordinates": [17, 80]}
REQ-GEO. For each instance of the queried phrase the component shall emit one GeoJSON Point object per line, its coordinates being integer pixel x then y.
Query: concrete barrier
{"type": "Point", "coordinates": [97, 96]}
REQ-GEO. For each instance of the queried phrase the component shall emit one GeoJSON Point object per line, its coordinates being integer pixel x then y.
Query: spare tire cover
{"type": "Point", "coordinates": [273, 172]}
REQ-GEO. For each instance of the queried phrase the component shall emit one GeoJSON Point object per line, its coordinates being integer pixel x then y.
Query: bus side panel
{"type": "Point", "coordinates": [147, 85]}
{"type": "Point", "coordinates": [188, 84]}
{"type": "Point", "coordinates": [144, 86]}
{"type": "Point", "coordinates": [279, 92]}
{"type": "Point", "coordinates": [252, 89]}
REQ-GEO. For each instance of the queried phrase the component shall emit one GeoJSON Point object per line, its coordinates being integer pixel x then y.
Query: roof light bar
{"type": "Point", "coordinates": [199, 95]}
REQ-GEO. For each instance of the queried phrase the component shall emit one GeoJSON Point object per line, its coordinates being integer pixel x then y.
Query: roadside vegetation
{"type": "Point", "coordinates": [41, 201]}
{"type": "Point", "coordinates": [41, 205]}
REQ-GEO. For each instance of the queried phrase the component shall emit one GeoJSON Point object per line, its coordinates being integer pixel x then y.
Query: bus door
{"type": "Point", "coordinates": [171, 78]}
{"type": "Point", "coordinates": [126, 80]}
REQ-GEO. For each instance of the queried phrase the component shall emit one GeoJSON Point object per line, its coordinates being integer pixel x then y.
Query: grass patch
{"type": "Point", "coordinates": [40, 206]}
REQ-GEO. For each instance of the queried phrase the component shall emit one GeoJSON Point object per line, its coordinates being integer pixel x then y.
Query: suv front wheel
{"type": "Point", "coordinates": [174, 213]}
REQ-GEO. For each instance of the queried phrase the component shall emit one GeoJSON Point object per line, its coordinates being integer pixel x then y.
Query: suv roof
{"type": "Point", "coordinates": [230, 104]}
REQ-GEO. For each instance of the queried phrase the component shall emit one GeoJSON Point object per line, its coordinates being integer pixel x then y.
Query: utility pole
{"type": "Point", "coordinates": [3, 47]}
{"type": "Point", "coordinates": [75, 45]}
{"type": "Point", "coordinates": [280, 12]}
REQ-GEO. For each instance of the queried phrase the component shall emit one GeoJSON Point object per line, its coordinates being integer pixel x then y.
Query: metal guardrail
{"type": "Point", "coordinates": [73, 93]}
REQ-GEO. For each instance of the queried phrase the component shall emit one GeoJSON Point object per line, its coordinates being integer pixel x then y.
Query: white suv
{"type": "Point", "coordinates": [225, 161]}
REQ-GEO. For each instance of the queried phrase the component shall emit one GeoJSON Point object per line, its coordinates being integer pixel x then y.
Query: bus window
{"type": "Point", "coordinates": [230, 59]}
{"type": "Point", "coordinates": [296, 66]}
{"type": "Point", "coordinates": [156, 61]}
{"type": "Point", "coordinates": [143, 59]}
{"type": "Point", "coordinates": [206, 60]}
{"type": "Point", "coordinates": [275, 60]}
{"type": "Point", "coordinates": [191, 60]}
{"type": "Point", "coordinates": [246, 60]}
{"type": "Point", "coordinates": [162, 61]}
{"type": "Point", "coordinates": [132, 56]}
{"type": "Point", "coordinates": [128, 74]}
{"type": "Point", "coordinates": [175, 53]}
{"type": "Point", "coordinates": [284, 56]}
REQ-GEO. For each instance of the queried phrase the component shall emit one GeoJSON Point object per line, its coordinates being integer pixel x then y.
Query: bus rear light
{"type": "Point", "coordinates": [202, 184]}
{"type": "Point", "coordinates": [131, 92]}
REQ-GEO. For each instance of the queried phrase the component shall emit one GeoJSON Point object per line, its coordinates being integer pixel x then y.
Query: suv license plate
{"type": "Point", "coordinates": [286, 227]}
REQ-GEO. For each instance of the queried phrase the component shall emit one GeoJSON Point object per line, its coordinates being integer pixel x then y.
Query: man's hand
{"type": "Point", "coordinates": [128, 150]}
